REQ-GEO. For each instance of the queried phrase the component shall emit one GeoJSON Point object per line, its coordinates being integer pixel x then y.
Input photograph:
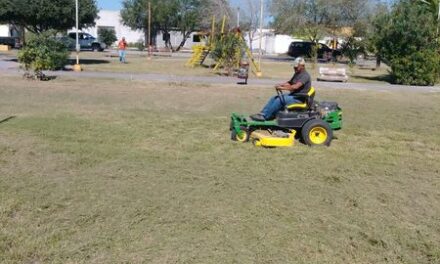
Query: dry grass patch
{"type": "Point", "coordinates": [99, 171]}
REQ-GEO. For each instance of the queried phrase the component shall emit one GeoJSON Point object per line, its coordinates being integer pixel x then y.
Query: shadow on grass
{"type": "Point", "coordinates": [88, 61]}
{"type": "Point", "coordinates": [7, 119]}
{"type": "Point", "coordinates": [381, 78]}
{"type": "Point", "coordinates": [73, 61]}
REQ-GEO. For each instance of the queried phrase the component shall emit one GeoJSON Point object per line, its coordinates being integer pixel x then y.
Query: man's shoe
{"type": "Point", "coordinates": [258, 117]}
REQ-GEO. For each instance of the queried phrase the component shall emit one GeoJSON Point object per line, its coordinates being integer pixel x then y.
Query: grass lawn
{"type": "Point", "coordinates": [272, 69]}
{"type": "Point", "coordinates": [109, 171]}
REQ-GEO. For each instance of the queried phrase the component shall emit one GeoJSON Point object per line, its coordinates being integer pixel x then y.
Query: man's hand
{"type": "Point", "coordinates": [283, 87]}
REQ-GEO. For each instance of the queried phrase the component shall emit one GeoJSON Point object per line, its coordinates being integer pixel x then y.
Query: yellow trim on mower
{"type": "Point", "coordinates": [264, 138]}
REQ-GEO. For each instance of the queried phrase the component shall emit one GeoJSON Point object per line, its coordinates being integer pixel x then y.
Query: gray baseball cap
{"type": "Point", "coordinates": [298, 61]}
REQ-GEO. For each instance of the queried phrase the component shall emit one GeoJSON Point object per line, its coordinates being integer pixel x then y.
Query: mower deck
{"type": "Point", "coordinates": [266, 138]}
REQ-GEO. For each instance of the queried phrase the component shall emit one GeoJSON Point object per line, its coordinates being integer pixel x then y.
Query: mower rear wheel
{"type": "Point", "coordinates": [243, 136]}
{"type": "Point", "coordinates": [317, 132]}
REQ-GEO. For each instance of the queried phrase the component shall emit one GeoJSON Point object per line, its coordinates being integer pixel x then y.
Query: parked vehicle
{"type": "Point", "coordinates": [304, 49]}
{"type": "Point", "coordinates": [86, 42]}
{"type": "Point", "coordinates": [13, 42]}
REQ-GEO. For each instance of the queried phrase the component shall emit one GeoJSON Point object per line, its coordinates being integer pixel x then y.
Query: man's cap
{"type": "Point", "coordinates": [298, 61]}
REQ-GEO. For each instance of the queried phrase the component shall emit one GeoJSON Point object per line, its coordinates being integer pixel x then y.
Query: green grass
{"type": "Point", "coordinates": [109, 171]}
{"type": "Point", "coordinates": [282, 69]}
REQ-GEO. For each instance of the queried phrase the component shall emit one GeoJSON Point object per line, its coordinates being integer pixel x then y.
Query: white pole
{"type": "Point", "coordinates": [260, 54]}
{"type": "Point", "coordinates": [77, 40]}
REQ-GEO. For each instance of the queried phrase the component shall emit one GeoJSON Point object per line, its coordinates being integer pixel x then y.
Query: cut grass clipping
{"type": "Point", "coordinates": [106, 171]}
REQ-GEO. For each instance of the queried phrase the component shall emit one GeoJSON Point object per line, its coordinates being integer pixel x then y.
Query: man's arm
{"type": "Point", "coordinates": [289, 87]}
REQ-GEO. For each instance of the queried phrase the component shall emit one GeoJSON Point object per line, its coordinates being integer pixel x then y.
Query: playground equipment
{"type": "Point", "coordinates": [201, 52]}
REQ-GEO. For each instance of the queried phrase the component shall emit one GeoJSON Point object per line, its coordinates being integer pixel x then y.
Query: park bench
{"type": "Point", "coordinates": [332, 74]}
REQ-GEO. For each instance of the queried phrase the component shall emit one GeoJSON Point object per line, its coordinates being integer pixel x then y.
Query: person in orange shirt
{"type": "Point", "coordinates": [122, 46]}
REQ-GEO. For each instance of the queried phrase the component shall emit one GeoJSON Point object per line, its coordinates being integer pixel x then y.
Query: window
{"type": "Point", "coordinates": [197, 38]}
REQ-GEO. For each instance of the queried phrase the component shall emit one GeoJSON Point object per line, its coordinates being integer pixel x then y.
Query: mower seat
{"type": "Point", "coordinates": [307, 102]}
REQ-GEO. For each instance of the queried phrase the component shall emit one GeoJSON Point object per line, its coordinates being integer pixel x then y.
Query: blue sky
{"type": "Point", "coordinates": [116, 4]}
{"type": "Point", "coordinates": [109, 4]}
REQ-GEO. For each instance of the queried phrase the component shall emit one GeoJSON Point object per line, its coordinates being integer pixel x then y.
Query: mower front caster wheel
{"type": "Point", "coordinates": [317, 132]}
{"type": "Point", "coordinates": [242, 136]}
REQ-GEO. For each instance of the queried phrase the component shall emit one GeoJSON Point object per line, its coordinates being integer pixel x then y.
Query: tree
{"type": "Point", "coordinates": [43, 15]}
{"type": "Point", "coordinates": [107, 35]}
{"type": "Point", "coordinates": [434, 8]}
{"type": "Point", "coordinates": [183, 15]}
{"type": "Point", "coordinates": [188, 18]}
{"type": "Point", "coordinates": [308, 18]}
{"type": "Point", "coordinates": [406, 40]}
{"type": "Point", "coordinates": [217, 9]}
{"type": "Point", "coordinates": [312, 19]}
{"type": "Point", "coordinates": [251, 21]}
{"type": "Point", "coordinates": [43, 52]}
{"type": "Point", "coordinates": [134, 14]}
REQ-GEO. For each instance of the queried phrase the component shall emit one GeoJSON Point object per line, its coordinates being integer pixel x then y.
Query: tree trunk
{"type": "Point", "coordinates": [251, 39]}
{"type": "Point", "coordinates": [146, 38]}
{"type": "Point", "coordinates": [182, 43]}
{"type": "Point", "coordinates": [23, 35]}
{"type": "Point", "coordinates": [377, 61]}
{"type": "Point", "coordinates": [167, 40]}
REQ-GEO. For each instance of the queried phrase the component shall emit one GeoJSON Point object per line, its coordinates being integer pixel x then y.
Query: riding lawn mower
{"type": "Point", "coordinates": [311, 122]}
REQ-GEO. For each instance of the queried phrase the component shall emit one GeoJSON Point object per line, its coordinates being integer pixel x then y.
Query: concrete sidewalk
{"type": "Point", "coordinates": [10, 67]}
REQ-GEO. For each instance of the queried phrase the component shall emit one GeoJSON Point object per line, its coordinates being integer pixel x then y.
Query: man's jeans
{"type": "Point", "coordinates": [122, 56]}
{"type": "Point", "coordinates": [275, 104]}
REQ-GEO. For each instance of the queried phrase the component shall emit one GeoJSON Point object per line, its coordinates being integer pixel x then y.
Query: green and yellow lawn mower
{"type": "Point", "coordinates": [311, 122]}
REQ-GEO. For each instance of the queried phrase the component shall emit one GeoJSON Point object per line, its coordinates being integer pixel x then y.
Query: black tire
{"type": "Point", "coordinates": [317, 132]}
{"type": "Point", "coordinates": [95, 48]}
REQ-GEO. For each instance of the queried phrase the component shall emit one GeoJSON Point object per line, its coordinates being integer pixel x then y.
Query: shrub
{"type": "Point", "coordinates": [107, 35]}
{"type": "Point", "coordinates": [418, 68]}
{"type": "Point", "coordinates": [406, 40]}
{"type": "Point", "coordinates": [43, 52]}
{"type": "Point", "coordinates": [227, 51]}
{"type": "Point", "coordinates": [140, 45]}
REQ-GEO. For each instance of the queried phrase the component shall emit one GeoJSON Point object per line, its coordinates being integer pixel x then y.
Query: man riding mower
{"type": "Point", "coordinates": [289, 116]}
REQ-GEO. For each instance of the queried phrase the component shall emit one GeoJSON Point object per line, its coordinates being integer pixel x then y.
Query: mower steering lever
{"type": "Point", "coordinates": [281, 96]}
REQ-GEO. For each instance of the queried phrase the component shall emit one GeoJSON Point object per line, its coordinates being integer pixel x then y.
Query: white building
{"type": "Point", "coordinates": [112, 19]}
{"type": "Point", "coordinates": [9, 31]}
{"type": "Point", "coordinates": [270, 42]}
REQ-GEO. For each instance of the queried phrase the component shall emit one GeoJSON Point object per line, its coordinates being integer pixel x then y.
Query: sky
{"type": "Point", "coordinates": [109, 4]}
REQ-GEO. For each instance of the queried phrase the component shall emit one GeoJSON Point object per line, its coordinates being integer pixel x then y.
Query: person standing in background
{"type": "Point", "coordinates": [122, 46]}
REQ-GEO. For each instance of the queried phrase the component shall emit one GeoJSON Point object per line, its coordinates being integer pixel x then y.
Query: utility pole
{"type": "Point", "coordinates": [77, 67]}
{"type": "Point", "coordinates": [149, 30]}
{"type": "Point", "coordinates": [260, 54]}
{"type": "Point", "coordinates": [238, 17]}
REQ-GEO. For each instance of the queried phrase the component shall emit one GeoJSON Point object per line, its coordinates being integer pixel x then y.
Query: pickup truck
{"type": "Point", "coordinates": [86, 42]}
{"type": "Point", "coordinates": [13, 42]}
